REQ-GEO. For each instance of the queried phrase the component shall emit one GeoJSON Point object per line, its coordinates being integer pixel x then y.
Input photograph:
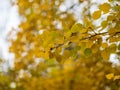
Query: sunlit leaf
{"type": "Point", "coordinates": [110, 76]}
{"type": "Point", "coordinates": [104, 24]}
{"type": "Point", "coordinates": [105, 7]}
{"type": "Point", "coordinates": [96, 15]}
{"type": "Point", "coordinates": [117, 77]}
{"type": "Point", "coordinates": [76, 28]}
{"type": "Point", "coordinates": [83, 31]}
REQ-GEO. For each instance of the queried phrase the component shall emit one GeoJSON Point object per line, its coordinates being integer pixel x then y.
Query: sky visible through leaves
{"type": "Point", "coordinates": [10, 19]}
{"type": "Point", "coordinates": [60, 45]}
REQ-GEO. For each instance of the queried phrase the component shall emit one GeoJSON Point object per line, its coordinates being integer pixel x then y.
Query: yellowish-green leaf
{"type": "Point", "coordinates": [76, 28]}
{"type": "Point", "coordinates": [117, 7]}
{"type": "Point", "coordinates": [51, 62]}
{"type": "Point", "coordinates": [83, 31]}
{"type": "Point", "coordinates": [112, 48]}
{"type": "Point", "coordinates": [110, 18]}
{"type": "Point", "coordinates": [87, 51]}
{"type": "Point", "coordinates": [104, 24]}
{"type": "Point", "coordinates": [67, 34]}
{"type": "Point", "coordinates": [110, 0]}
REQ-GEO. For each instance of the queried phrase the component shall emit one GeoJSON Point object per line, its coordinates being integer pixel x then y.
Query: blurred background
{"type": "Point", "coordinates": [9, 18]}
{"type": "Point", "coordinates": [30, 71]}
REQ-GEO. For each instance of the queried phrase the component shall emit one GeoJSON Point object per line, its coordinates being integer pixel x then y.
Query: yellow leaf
{"type": "Point", "coordinates": [112, 31]}
{"type": "Point", "coordinates": [74, 39]}
{"type": "Point", "coordinates": [110, 76]}
{"type": "Point", "coordinates": [110, 18]}
{"type": "Point", "coordinates": [112, 39]}
{"type": "Point", "coordinates": [68, 65]}
{"type": "Point", "coordinates": [95, 48]}
{"type": "Point", "coordinates": [104, 24]}
{"type": "Point", "coordinates": [68, 34]}
{"type": "Point", "coordinates": [105, 7]}
{"type": "Point", "coordinates": [104, 45]}
{"type": "Point", "coordinates": [105, 54]}
{"type": "Point", "coordinates": [96, 14]}
{"type": "Point", "coordinates": [76, 27]}
{"type": "Point", "coordinates": [116, 77]}
{"type": "Point", "coordinates": [110, 0]}
{"type": "Point", "coordinates": [83, 31]}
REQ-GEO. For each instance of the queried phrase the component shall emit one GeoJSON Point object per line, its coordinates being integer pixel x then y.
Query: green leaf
{"type": "Point", "coordinates": [77, 47]}
{"type": "Point", "coordinates": [74, 51]}
{"type": "Point", "coordinates": [119, 46]}
{"type": "Point", "coordinates": [87, 51]}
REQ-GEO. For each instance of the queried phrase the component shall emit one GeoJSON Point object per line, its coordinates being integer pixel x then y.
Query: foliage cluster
{"type": "Point", "coordinates": [54, 52]}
